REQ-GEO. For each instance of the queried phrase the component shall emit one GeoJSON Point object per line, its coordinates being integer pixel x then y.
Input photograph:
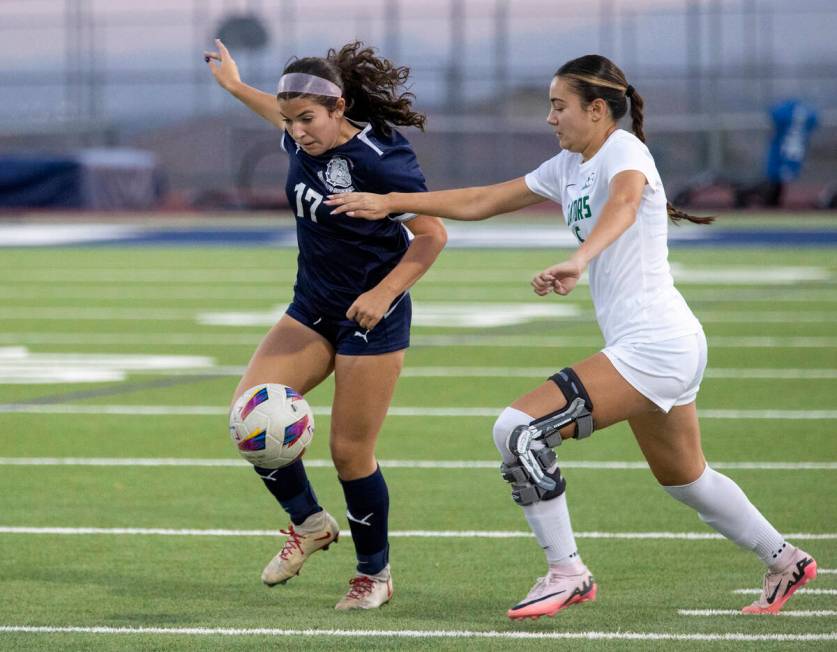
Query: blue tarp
{"type": "Point", "coordinates": [102, 179]}
{"type": "Point", "coordinates": [40, 182]}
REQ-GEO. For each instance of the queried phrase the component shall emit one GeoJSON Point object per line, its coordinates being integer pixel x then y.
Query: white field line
{"type": "Point", "coordinates": [419, 634]}
{"type": "Point", "coordinates": [46, 368]}
{"type": "Point", "coordinates": [729, 275]}
{"type": "Point", "coordinates": [186, 292]}
{"type": "Point", "coordinates": [412, 534]}
{"type": "Point", "coordinates": [405, 411]}
{"type": "Point", "coordinates": [808, 591]}
{"type": "Point", "coordinates": [518, 372]}
{"type": "Point", "coordinates": [733, 612]}
{"type": "Point", "coordinates": [392, 464]}
{"type": "Point", "coordinates": [523, 341]}
{"type": "Point", "coordinates": [492, 341]}
{"type": "Point", "coordinates": [221, 316]}
{"type": "Point", "coordinates": [827, 571]}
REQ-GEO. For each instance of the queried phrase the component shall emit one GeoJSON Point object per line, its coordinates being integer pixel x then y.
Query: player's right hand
{"type": "Point", "coordinates": [366, 205]}
{"type": "Point", "coordinates": [226, 74]}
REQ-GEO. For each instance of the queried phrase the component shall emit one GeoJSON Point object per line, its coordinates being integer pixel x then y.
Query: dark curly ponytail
{"type": "Point", "coordinates": [369, 83]}
{"type": "Point", "coordinates": [596, 77]}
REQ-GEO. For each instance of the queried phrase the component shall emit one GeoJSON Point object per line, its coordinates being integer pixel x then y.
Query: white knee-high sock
{"type": "Point", "coordinates": [549, 519]}
{"type": "Point", "coordinates": [722, 505]}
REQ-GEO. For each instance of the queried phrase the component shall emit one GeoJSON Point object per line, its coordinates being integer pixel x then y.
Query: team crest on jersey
{"type": "Point", "coordinates": [338, 175]}
{"type": "Point", "coordinates": [590, 179]}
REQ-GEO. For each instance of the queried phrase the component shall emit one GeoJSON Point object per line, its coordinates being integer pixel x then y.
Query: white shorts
{"type": "Point", "coordinates": [667, 372]}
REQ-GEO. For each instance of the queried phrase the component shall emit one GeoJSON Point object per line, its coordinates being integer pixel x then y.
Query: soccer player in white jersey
{"type": "Point", "coordinates": [655, 352]}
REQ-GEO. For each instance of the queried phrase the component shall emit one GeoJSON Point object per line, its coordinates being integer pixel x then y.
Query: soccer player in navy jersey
{"type": "Point", "coordinates": [350, 312]}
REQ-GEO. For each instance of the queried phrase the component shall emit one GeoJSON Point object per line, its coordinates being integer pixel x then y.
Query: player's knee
{"type": "Point", "coordinates": [509, 419]}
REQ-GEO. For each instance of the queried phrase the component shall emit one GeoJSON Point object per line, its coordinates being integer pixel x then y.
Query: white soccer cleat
{"type": "Point", "coordinates": [779, 586]}
{"type": "Point", "coordinates": [367, 591]}
{"type": "Point", "coordinates": [317, 532]}
{"type": "Point", "coordinates": [553, 593]}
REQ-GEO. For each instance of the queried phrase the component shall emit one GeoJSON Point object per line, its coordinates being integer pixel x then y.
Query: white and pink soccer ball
{"type": "Point", "coordinates": [271, 425]}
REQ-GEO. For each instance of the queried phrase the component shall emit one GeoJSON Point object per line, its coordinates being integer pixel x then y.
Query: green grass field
{"type": "Point", "coordinates": [768, 313]}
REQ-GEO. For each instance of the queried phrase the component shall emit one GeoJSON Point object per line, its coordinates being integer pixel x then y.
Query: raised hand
{"type": "Point", "coordinates": [366, 205]}
{"type": "Point", "coordinates": [226, 74]}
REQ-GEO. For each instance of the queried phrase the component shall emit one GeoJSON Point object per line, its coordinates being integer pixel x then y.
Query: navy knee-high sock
{"type": "Point", "coordinates": [367, 500]}
{"type": "Point", "coordinates": [290, 486]}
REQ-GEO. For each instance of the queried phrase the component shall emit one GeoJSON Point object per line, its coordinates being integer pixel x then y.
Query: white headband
{"type": "Point", "coordinates": [300, 82]}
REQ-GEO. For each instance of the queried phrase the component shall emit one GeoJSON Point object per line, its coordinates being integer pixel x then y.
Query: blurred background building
{"type": "Point", "coordinates": [129, 73]}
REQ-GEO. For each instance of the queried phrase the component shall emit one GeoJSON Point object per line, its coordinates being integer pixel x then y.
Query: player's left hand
{"type": "Point", "coordinates": [560, 278]}
{"type": "Point", "coordinates": [369, 308]}
{"type": "Point", "coordinates": [226, 74]}
{"type": "Point", "coordinates": [366, 205]}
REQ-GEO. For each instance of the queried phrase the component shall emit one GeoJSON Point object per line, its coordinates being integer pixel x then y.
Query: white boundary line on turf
{"type": "Point", "coordinates": [412, 534]}
{"type": "Point", "coordinates": [826, 571]}
{"type": "Point", "coordinates": [494, 341]}
{"type": "Point", "coordinates": [523, 372]}
{"type": "Point", "coordinates": [396, 411]}
{"type": "Point", "coordinates": [220, 317]}
{"type": "Point", "coordinates": [732, 612]}
{"type": "Point", "coordinates": [808, 591]}
{"type": "Point", "coordinates": [392, 464]}
{"type": "Point", "coordinates": [411, 633]}
{"type": "Point", "coordinates": [191, 292]}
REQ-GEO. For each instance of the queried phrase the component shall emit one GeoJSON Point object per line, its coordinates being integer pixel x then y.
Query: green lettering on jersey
{"type": "Point", "coordinates": [579, 210]}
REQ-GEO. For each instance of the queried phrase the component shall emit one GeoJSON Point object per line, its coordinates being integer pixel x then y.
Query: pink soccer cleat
{"type": "Point", "coordinates": [553, 593]}
{"type": "Point", "coordinates": [779, 586]}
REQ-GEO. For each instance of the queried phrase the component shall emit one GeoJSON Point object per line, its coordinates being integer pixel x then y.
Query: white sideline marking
{"type": "Point", "coordinates": [392, 464]}
{"type": "Point", "coordinates": [523, 372]}
{"type": "Point", "coordinates": [683, 274]}
{"type": "Point", "coordinates": [398, 411]}
{"type": "Point", "coordinates": [410, 633]}
{"type": "Point", "coordinates": [446, 314]}
{"type": "Point", "coordinates": [476, 340]}
{"type": "Point", "coordinates": [827, 571]}
{"type": "Point", "coordinates": [733, 612]}
{"type": "Point", "coordinates": [461, 314]}
{"type": "Point", "coordinates": [420, 534]}
{"type": "Point", "coordinates": [546, 372]}
{"type": "Point", "coordinates": [189, 292]}
{"type": "Point", "coordinates": [38, 235]}
{"type": "Point", "coordinates": [47, 368]}
{"type": "Point", "coordinates": [808, 591]}
{"type": "Point", "coordinates": [20, 367]}
{"type": "Point", "coordinates": [523, 341]}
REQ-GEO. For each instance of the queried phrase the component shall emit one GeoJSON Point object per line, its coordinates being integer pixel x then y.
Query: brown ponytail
{"type": "Point", "coordinates": [369, 83]}
{"type": "Point", "coordinates": [596, 77]}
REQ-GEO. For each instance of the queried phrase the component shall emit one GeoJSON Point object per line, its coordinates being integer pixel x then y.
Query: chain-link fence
{"type": "Point", "coordinates": [95, 72]}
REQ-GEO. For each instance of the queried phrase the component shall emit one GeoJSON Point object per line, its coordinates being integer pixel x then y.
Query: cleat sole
{"type": "Point", "coordinates": [590, 596]}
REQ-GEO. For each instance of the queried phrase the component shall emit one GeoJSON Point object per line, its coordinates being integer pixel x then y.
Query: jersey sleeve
{"type": "Point", "coordinates": [400, 172]}
{"type": "Point", "coordinates": [631, 155]}
{"type": "Point", "coordinates": [546, 180]}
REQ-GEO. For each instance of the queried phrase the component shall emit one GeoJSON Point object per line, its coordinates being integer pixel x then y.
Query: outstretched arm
{"type": "Point", "coordinates": [477, 203]}
{"type": "Point", "coordinates": [227, 76]}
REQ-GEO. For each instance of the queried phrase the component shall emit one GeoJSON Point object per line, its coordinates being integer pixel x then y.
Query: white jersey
{"type": "Point", "coordinates": [630, 281]}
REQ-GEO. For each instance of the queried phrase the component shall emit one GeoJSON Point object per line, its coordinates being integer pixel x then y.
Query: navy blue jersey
{"type": "Point", "coordinates": [341, 257]}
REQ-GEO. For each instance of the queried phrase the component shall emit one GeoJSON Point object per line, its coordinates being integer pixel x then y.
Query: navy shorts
{"type": "Point", "coordinates": [392, 333]}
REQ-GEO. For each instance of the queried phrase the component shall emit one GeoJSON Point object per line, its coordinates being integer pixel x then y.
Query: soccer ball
{"type": "Point", "coordinates": [271, 425]}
